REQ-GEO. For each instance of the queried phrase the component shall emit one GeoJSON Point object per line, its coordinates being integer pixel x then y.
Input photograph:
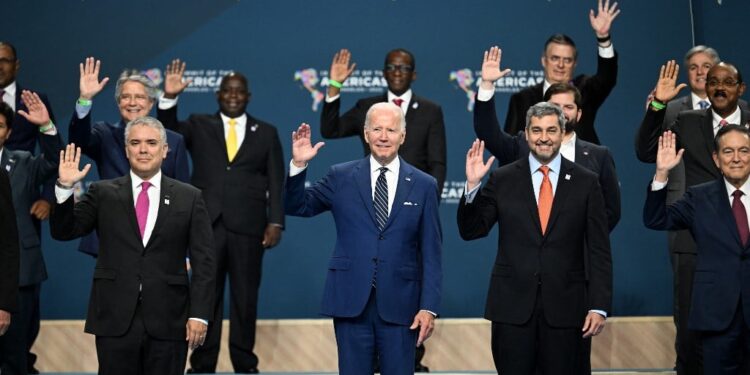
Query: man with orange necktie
{"type": "Point", "coordinates": [552, 279]}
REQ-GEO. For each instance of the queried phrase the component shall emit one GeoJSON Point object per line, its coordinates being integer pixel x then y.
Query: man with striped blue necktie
{"type": "Point", "coordinates": [384, 277]}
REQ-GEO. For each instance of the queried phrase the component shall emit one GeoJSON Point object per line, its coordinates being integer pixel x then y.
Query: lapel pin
{"type": "Point", "coordinates": [12, 161]}
{"type": "Point", "coordinates": [407, 178]}
{"type": "Point", "coordinates": [7, 167]}
{"type": "Point", "coordinates": [254, 127]}
{"type": "Point", "coordinates": [166, 201]}
{"type": "Point", "coordinates": [585, 152]}
{"type": "Point", "coordinates": [415, 105]}
{"type": "Point", "coordinates": [567, 177]}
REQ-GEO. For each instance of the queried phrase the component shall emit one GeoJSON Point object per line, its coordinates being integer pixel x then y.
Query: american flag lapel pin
{"type": "Point", "coordinates": [254, 127]}
{"type": "Point", "coordinates": [567, 177]}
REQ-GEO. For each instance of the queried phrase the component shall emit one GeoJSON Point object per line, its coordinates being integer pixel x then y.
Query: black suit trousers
{"type": "Point", "coordinates": [536, 347]}
{"type": "Point", "coordinates": [138, 353]}
{"type": "Point", "coordinates": [14, 344]}
{"type": "Point", "coordinates": [241, 258]}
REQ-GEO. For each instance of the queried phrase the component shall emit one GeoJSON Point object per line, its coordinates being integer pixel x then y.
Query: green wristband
{"type": "Point", "coordinates": [47, 127]}
{"type": "Point", "coordinates": [83, 102]}
{"type": "Point", "coordinates": [335, 83]}
{"type": "Point", "coordinates": [658, 105]}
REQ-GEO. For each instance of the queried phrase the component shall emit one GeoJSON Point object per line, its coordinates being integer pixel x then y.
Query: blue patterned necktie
{"type": "Point", "coordinates": [703, 104]}
{"type": "Point", "coordinates": [380, 201]}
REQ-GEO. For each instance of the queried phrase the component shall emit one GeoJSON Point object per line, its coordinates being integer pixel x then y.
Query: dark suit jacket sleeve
{"type": "Point", "coordinates": [168, 118]}
{"type": "Point", "coordinates": [610, 188]}
{"type": "Point", "coordinates": [599, 253]}
{"type": "Point", "coordinates": [516, 118]}
{"type": "Point", "coordinates": [476, 219]}
{"type": "Point", "coordinates": [276, 172]}
{"type": "Point", "coordinates": [181, 167]}
{"type": "Point", "coordinates": [45, 165]}
{"type": "Point", "coordinates": [306, 202]}
{"type": "Point", "coordinates": [9, 248]}
{"type": "Point", "coordinates": [349, 125]}
{"type": "Point", "coordinates": [596, 88]}
{"type": "Point", "coordinates": [431, 244]}
{"type": "Point", "coordinates": [499, 143]}
{"type": "Point", "coordinates": [436, 151]}
{"type": "Point", "coordinates": [647, 139]}
{"type": "Point", "coordinates": [71, 220]}
{"type": "Point", "coordinates": [658, 216]}
{"type": "Point", "coordinates": [202, 260]}
{"type": "Point", "coordinates": [80, 133]}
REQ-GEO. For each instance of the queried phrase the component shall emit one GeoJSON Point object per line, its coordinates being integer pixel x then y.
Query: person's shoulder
{"type": "Point", "coordinates": [204, 117]}
{"type": "Point", "coordinates": [530, 92]}
{"type": "Point", "coordinates": [423, 102]}
{"type": "Point", "coordinates": [173, 136]}
{"type": "Point", "coordinates": [593, 147]}
{"type": "Point", "coordinates": [419, 175]}
{"type": "Point", "coordinates": [181, 186]}
{"type": "Point", "coordinates": [570, 169]}
{"type": "Point", "coordinates": [261, 125]}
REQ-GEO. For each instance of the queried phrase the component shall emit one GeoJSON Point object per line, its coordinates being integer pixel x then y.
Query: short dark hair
{"type": "Point", "coordinates": [727, 129]}
{"type": "Point", "coordinates": [402, 50]}
{"type": "Point", "coordinates": [7, 112]}
{"type": "Point", "coordinates": [561, 39]}
{"type": "Point", "coordinates": [12, 48]}
{"type": "Point", "coordinates": [563, 88]}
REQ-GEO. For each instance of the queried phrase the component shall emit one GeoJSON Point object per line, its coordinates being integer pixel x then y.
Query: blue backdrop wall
{"type": "Point", "coordinates": [285, 48]}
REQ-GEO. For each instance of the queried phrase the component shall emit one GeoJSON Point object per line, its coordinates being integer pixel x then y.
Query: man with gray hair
{"type": "Point", "coordinates": [384, 277]}
{"type": "Point", "coordinates": [144, 309]}
{"type": "Point", "coordinates": [103, 142]}
{"type": "Point", "coordinates": [552, 279]}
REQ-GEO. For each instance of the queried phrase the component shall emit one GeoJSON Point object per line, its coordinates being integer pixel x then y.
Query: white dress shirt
{"type": "Point", "coordinates": [734, 118]}
{"type": "Point", "coordinates": [9, 97]}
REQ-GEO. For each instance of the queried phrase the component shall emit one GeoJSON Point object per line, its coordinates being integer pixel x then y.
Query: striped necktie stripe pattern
{"type": "Point", "coordinates": [380, 201]}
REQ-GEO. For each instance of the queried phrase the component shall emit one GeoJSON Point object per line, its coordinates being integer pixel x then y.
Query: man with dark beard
{"type": "Point", "coordinates": [508, 148]}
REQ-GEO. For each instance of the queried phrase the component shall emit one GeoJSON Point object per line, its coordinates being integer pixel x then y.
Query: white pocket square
{"type": "Point", "coordinates": [411, 204]}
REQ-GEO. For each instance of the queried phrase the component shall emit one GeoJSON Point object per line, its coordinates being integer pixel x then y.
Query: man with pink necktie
{"type": "Point", "coordinates": [144, 309]}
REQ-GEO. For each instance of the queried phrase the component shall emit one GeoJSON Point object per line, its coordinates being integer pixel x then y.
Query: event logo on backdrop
{"type": "Point", "coordinates": [315, 81]}
{"type": "Point", "coordinates": [204, 80]}
{"type": "Point", "coordinates": [517, 80]}
{"type": "Point", "coordinates": [452, 192]}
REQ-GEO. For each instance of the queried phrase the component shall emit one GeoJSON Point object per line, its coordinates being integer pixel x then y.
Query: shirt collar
{"type": "Point", "coordinates": [546, 85]}
{"type": "Point", "coordinates": [405, 96]}
{"type": "Point", "coordinates": [571, 141]}
{"type": "Point", "coordinates": [136, 181]}
{"type": "Point", "coordinates": [554, 165]}
{"type": "Point", "coordinates": [734, 118]}
{"type": "Point", "coordinates": [11, 89]}
{"type": "Point", "coordinates": [240, 120]}
{"type": "Point", "coordinates": [745, 188]}
{"type": "Point", "coordinates": [695, 99]}
{"type": "Point", "coordinates": [393, 166]}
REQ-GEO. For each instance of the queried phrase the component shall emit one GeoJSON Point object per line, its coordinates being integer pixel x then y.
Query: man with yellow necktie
{"type": "Point", "coordinates": [237, 163]}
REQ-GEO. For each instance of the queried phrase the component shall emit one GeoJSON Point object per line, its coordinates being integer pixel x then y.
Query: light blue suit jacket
{"type": "Point", "coordinates": [406, 255]}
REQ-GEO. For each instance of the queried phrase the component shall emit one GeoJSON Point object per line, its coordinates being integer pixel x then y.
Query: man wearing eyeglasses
{"type": "Point", "coordinates": [695, 131]}
{"type": "Point", "coordinates": [559, 60]}
{"type": "Point", "coordinates": [682, 249]}
{"type": "Point", "coordinates": [424, 146]}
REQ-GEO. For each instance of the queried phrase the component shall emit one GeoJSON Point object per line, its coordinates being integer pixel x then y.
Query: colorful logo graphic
{"type": "Point", "coordinates": [464, 78]}
{"type": "Point", "coordinates": [315, 81]}
{"type": "Point", "coordinates": [309, 79]}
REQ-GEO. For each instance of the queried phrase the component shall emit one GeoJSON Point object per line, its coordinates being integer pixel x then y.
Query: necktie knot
{"type": "Point", "coordinates": [737, 194]}
{"type": "Point", "coordinates": [232, 122]}
{"type": "Point", "coordinates": [703, 104]}
{"type": "Point", "coordinates": [398, 101]}
{"type": "Point", "coordinates": [145, 185]}
{"type": "Point", "coordinates": [723, 123]}
{"type": "Point", "coordinates": [545, 170]}
{"type": "Point", "coordinates": [383, 170]}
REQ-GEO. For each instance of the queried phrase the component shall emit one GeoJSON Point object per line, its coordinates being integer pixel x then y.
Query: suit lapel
{"type": "Point", "coordinates": [707, 129]}
{"type": "Point", "coordinates": [363, 180]}
{"type": "Point", "coordinates": [162, 214]}
{"type": "Point", "coordinates": [687, 103]}
{"type": "Point", "coordinates": [723, 207]}
{"type": "Point", "coordinates": [217, 128]}
{"type": "Point", "coordinates": [526, 185]}
{"type": "Point", "coordinates": [582, 153]}
{"type": "Point", "coordinates": [247, 143]}
{"type": "Point", "coordinates": [561, 193]}
{"type": "Point", "coordinates": [744, 118]}
{"type": "Point", "coordinates": [8, 162]}
{"type": "Point", "coordinates": [403, 187]}
{"type": "Point", "coordinates": [125, 196]}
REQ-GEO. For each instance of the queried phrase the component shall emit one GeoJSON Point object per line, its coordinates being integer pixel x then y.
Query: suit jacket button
{"type": "Point", "coordinates": [229, 168]}
{"type": "Point", "coordinates": [381, 238]}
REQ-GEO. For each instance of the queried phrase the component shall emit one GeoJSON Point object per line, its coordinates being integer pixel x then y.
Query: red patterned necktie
{"type": "Point", "coordinates": [723, 123]}
{"type": "Point", "coordinates": [398, 102]}
{"type": "Point", "coordinates": [740, 216]}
